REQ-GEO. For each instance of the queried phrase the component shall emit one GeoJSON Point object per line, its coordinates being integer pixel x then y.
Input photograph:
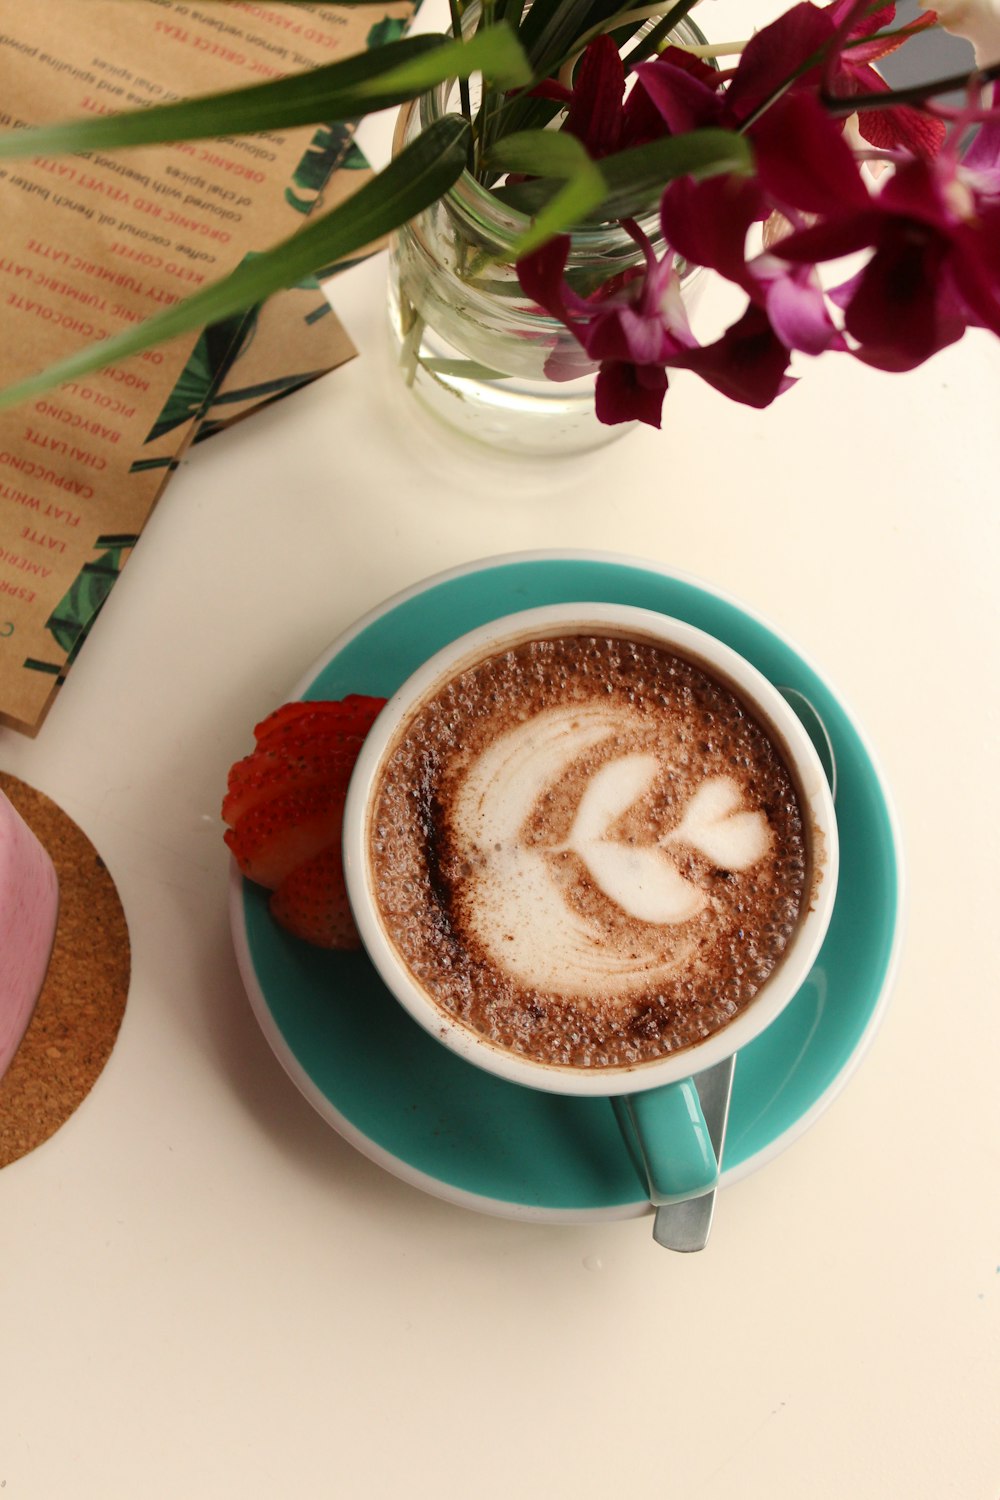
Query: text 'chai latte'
{"type": "Point", "coordinates": [588, 851]}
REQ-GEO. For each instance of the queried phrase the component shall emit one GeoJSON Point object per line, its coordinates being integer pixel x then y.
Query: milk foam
{"type": "Point", "coordinates": [514, 902]}
{"type": "Point", "coordinates": [715, 826]}
{"type": "Point", "coordinates": [588, 850]}
{"type": "Point", "coordinates": [644, 883]}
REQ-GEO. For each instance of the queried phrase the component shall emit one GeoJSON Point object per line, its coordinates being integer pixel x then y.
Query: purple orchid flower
{"type": "Point", "coordinates": [932, 233]}
{"type": "Point", "coordinates": [836, 44]}
{"type": "Point", "coordinates": [804, 168]}
{"type": "Point", "coordinates": [598, 111]}
{"type": "Point", "coordinates": [853, 72]}
{"type": "Point", "coordinates": [934, 236]}
{"type": "Point", "coordinates": [630, 331]}
{"type": "Point", "coordinates": [640, 332]}
{"type": "Point", "coordinates": [749, 363]}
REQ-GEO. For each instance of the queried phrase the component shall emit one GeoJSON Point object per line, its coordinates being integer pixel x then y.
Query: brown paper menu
{"type": "Point", "coordinates": [92, 243]}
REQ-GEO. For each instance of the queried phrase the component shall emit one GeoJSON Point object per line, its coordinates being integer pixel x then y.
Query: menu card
{"type": "Point", "coordinates": [94, 242]}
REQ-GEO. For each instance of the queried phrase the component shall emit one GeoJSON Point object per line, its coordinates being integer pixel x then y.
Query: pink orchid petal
{"type": "Point", "coordinates": [748, 363]}
{"type": "Point", "coordinates": [976, 267]}
{"type": "Point", "coordinates": [707, 222]}
{"type": "Point", "coordinates": [983, 153]}
{"type": "Point", "coordinates": [866, 22]}
{"type": "Point", "coordinates": [896, 314]}
{"type": "Point", "coordinates": [841, 295]}
{"type": "Point", "coordinates": [663, 300]}
{"type": "Point", "coordinates": [775, 54]}
{"type": "Point", "coordinates": [569, 363]}
{"type": "Point", "coordinates": [884, 45]}
{"type": "Point", "coordinates": [683, 101]}
{"type": "Point", "coordinates": [595, 112]}
{"type": "Point", "coordinates": [803, 159]}
{"type": "Point", "coordinates": [541, 278]}
{"type": "Point", "coordinates": [628, 393]}
{"type": "Point", "coordinates": [641, 120]}
{"type": "Point", "coordinates": [624, 334]}
{"type": "Point", "coordinates": [551, 88]}
{"type": "Point", "coordinates": [797, 311]}
{"type": "Point", "coordinates": [687, 62]}
{"type": "Point", "coordinates": [885, 129]}
{"type": "Point", "coordinates": [917, 190]}
{"type": "Point", "coordinates": [831, 240]}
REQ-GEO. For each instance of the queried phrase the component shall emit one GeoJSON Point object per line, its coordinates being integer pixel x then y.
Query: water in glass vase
{"type": "Point", "coordinates": [456, 378]}
{"type": "Point", "coordinates": [471, 345]}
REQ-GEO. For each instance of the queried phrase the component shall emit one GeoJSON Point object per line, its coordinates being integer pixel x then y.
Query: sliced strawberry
{"type": "Point", "coordinates": [266, 775]}
{"type": "Point", "coordinates": [276, 836]}
{"type": "Point", "coordinates": [303, 748]}
{"type": "Point", "coordinates": [285, 808]}
{"type": "Point", "coordinates": [354, 714]}
{"type": "Point", "coordinates": [311, 902]}
{"type": "Point", "coordinates": [318, 742]}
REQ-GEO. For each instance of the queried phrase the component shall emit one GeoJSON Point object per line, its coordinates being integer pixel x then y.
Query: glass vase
{"type": "Point", "coordinates": [468, 342]}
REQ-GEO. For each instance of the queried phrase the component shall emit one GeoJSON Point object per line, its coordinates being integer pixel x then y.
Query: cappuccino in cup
{"type": "Point", "coordinates": [586, 847]}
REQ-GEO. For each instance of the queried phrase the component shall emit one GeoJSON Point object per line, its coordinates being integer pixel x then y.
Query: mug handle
{"type": "Point", "coordinates": [664, 1129]}
{"type": "Point", "coordinates": [668, 1140]}
{"type": "Point", "coordinates": [814, 725]}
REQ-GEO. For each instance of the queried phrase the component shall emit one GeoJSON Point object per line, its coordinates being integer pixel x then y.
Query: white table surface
{"type": "Point", "coordinates": [206, 1292]}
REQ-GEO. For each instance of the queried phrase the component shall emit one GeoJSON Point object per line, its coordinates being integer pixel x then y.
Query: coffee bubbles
{"type": "Point", "coordinates": [588, 850]}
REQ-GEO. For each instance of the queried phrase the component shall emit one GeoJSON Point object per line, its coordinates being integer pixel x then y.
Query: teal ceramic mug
{"type": "Point", "coordinates": [655, 1099]}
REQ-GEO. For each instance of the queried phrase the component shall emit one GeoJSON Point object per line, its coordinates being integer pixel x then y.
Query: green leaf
{"type": "Point", "coordinates": [549, 153]}
{"type": "Point", "coordinates": [551, 32]}
{"type": "Point", "coordinates": [462, 369]}
{"type": "Point", "coordinates": [494, 51]}
{"type": "Point", "coordinates": [551, 27]}
{"type": "Point", "coordinates": [632, 180]}
{"type": "Point", "coordinates": [637, 177]}
{"type": "Point", "coordinates": [540, 153]}
{"type": "Point", "coordinates": [345, 90]}
{"type": "Point", "coordinates": [570, 206]}
{"type": "Point", "coordinates": [527, 197]}
{"type": "Point", "coordinates": [417, 177]}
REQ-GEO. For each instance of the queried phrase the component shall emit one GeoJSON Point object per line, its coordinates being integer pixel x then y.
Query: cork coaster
{"type": "Point", "coordinates": [80, 1009]}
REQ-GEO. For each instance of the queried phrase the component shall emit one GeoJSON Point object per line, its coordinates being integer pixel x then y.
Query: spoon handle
{"type": "Point", "coordinates": [686, 1226]}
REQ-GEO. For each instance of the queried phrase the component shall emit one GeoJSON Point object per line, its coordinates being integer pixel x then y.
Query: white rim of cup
{"type": "Point", "coordinates": [761, 695]}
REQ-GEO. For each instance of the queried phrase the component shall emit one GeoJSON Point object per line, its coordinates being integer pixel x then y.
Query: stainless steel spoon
{"type": "Point", "coordinates": [686, 1226]}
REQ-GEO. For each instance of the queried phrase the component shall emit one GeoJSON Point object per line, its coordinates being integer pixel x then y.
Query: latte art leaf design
{"type": "Point", "coordinates": [518, 909]}
{"type": "Point", "coordinates": [645, 882]}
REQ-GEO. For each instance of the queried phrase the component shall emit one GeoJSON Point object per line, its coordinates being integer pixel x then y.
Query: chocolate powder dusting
{"type": "Point", "coordinates": [683, 979]}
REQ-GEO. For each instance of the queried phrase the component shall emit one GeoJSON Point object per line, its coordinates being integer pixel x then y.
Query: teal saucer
{"type": "Point", "coordinates": [474, 1139]}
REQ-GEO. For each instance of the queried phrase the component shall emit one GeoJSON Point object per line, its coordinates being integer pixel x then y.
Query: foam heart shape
{"type": "Point", "coordinates": [713, 825]}
{"type": "Point", "coordinates": [642, 881]}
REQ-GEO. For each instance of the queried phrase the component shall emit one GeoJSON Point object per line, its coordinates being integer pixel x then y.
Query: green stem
{"type": "Point", "coordinates": [661, 31]}
{"type": "Point", "coordinates": [492, 104]}
{"type": "Point", "coordinates": [413, 333]}
{"type": "Point", "coordinates": [916, 94]}
{"type": "Point", "coordinates": [463, 83]}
